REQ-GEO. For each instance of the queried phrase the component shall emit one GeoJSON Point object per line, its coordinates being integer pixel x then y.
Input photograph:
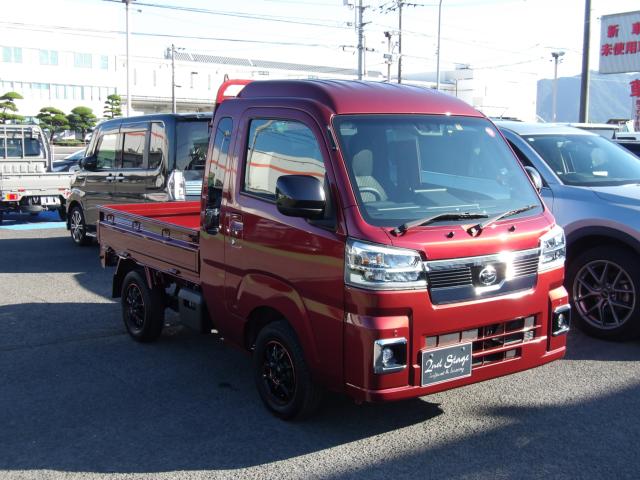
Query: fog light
{"type": "Point", "coordinates": [389, 355]}
{"type": "Point", "coordinates": [561, 320]}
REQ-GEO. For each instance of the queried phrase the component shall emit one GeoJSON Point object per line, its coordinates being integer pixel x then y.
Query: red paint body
{"type": "Point", "coordinates": [261, 259]}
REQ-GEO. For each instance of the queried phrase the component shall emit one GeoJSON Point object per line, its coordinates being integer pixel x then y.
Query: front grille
{"type": "Point", "coordinates": [450, 278]}
{"type": "Point", "coordinates": [491, 343]}
{"type": "Point", "coordinates": [458, 279]}
{"type": "Point", "coordinates": [525, 266]}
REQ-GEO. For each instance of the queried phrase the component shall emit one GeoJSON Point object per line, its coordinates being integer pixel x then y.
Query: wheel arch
{"type": "Point", "coordinates": [263, 299]}
{"type": "Point", "coordinates": [125, 265]}
{"type": "Point", "coordinates": [588, 237]}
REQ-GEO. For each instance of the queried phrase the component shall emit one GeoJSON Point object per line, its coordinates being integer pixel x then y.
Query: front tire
{"type": "Point", "coordinates": [142, 308]}
{"type": "Point", "coordinates": [282, 376]}
{"type": "Point", "coordinates": [603, 283]}
{"type": "Point", "coordinates": [78, 227]}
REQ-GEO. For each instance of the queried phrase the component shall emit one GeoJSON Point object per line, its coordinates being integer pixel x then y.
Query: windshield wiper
{"type": "Point", "coordinates": [477, 229]}
{"type": "Point", "coordinates": [402, 229]}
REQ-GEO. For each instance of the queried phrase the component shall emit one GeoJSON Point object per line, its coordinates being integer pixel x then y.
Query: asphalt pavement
{"type": "Point", "coordinates": [80, 399]}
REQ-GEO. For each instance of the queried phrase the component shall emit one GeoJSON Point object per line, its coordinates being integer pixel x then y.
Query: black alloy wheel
{"type": "Point", "coordinates": [603, 283]}
{"type": "Point", "coordinates": [78, 227]}
{"type": "Point", "coordinates": [282, 377]}
{"type": "Point", "coordinates": [142, 308]}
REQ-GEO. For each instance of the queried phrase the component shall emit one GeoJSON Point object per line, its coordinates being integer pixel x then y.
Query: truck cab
{"type": "Point", "coordinates": [373, 239]}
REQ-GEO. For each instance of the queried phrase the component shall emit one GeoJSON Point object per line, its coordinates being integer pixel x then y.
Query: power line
{"type": "Point", "coordinates": [91, 33]}
{"type": "Point", "coordinates": [249, 16]}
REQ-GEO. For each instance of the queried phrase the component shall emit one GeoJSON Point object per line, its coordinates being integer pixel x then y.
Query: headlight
{"type": "Point", "coordinates": [553, 249]}
{"type": "Point", "coordinates": [379, 267]}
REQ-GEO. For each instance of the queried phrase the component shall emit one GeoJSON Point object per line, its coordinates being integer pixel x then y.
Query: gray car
{"type": "Point", "coordinates": [592, 186]}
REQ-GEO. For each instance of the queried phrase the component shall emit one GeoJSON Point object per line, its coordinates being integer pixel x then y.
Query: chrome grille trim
{"type": "Point", "coordinates": [452, 280]}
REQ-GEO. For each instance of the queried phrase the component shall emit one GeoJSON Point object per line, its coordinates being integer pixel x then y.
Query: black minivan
{"type": "Point", "coordinates": [149, 158]}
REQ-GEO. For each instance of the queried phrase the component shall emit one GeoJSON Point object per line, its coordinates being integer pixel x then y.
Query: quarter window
{"type": "Point", "coordinates": [133, 149]}
{"type": "Point", "coordinates": [157, 145]}
{"type": "Point", "coordinates": [276, 148]}
{"type": "Point", "coordinates": [218, 162]}
{"type": "Point", "coordinates": [107, 151]}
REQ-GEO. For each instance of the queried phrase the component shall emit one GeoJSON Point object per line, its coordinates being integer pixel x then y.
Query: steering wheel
{"type": "Point", "coordinates": [373, 191]}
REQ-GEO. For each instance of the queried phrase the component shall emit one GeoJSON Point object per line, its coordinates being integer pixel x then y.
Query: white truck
{"type": "Point", "coordinates": [27, 184]}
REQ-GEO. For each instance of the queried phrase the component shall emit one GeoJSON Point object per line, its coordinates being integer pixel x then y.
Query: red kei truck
{"type": "Point", "coordinates": [374, 239]}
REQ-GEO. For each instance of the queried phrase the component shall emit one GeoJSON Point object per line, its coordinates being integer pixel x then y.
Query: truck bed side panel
{"type": "Point", "coordinates": [161, 235]}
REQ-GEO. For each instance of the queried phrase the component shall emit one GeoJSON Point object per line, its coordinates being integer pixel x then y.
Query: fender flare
{"type": "Point", "coordinates": [259, 290]}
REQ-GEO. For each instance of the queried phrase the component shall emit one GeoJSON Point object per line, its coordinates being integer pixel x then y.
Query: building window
{"type": "Point", "coordinates": [48, 57]}
{"type": "Point", "coordinates": [12, 54]}
{"type": "Point", "coordinates": [104, 62]}
{"type": "Point", "coordinates": [82, 60]}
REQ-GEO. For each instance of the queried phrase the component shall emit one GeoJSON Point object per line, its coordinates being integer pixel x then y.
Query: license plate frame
{"type": "Point", "coordinates": [48, 200]}
{"type": "Point", "coordinates": [436, 365]}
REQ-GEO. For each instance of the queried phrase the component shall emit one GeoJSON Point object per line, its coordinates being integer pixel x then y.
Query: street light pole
{"type": "Point", "coordinates": [556, 56]}
{"type": "Point", "coordinates": [388, 56]}
{"type": "Point", "coordinates": [399, 41]}
{"type": "Point", "coordinates": [438, 50]}
{"type": "Point", "coordinates": [126, 2]}
{"type": "Point", "coordinates": [584, 78]}
{"type": "Point", "coordinates": [173, 78]}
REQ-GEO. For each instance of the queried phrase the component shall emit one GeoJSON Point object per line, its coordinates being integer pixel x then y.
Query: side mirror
{"type": "Point", "coordinates": [535, 177]}
{"type": "Point", "coordinates": [300, 196]}
{"type": "Point", "coordinates": [89, 163]}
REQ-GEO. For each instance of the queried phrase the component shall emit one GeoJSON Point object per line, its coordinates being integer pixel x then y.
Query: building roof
{"type": "Point", "coordinates": [352, 96]}
{"type": "Point", "coordinates": [267, 64]}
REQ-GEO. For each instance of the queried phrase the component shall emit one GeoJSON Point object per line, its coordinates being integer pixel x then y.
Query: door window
{"type": "Point", "coordinates": [133, 149]}
{"type": "Point", "coordinates": [108, 151]}
{"type": "Point", "coordinates": [276, 148]}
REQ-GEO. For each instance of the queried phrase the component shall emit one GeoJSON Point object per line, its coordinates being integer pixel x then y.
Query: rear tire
{"type": "Point", "coordinates": [142, 308]}
{"type": "Point", "coordinates": [282, 376]}
{"type": "Point", "coordinates": [78, 227]}
{"type": "Point", "coordinates": [604, 283]}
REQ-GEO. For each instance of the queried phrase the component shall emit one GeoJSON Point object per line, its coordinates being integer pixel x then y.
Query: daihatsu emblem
{"type": "Point", "coordinates": [488, 275]}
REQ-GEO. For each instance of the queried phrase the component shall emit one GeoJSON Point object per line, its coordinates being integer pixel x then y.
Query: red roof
{"type": "Point", "coordinates": [352, 97]}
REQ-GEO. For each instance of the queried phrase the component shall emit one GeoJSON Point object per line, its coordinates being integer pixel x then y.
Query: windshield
{"type": "Point", "coordinates": [408, 167]}
{"type": "Point", "coordinates": [586, 160]}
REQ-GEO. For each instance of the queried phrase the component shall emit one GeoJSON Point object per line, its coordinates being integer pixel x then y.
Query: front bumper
{"type": "Point", "coordinates": [381, 315]}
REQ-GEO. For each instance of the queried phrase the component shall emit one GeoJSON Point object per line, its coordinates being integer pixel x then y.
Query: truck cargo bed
{"type": "Point", "coordinates": [162, 235]}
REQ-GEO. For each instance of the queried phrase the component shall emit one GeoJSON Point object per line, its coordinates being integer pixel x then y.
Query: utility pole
{"type": "Point", "coordinates": [173, 78]}
{"type": "Point", "coordinates": [584, 78]}
{"type": "Point", "coordinates": [388, 56]}
{"type": "Point", "coordinates": [127, 2]}
{"type": "Point", "coordinates": [400, 41]}
{"type": "Point", "coordinates": [360, 40]}
{"type": "Point", "coordinates": [438, 50]}
{"type": "Point", "coordinates": [556, 56]}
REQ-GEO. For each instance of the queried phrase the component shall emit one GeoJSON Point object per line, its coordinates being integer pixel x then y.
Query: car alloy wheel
{"type": "Point", "coordinates": [76, 226]}
{"type": "Point", "coordinates": [604, 294]}
{"type": "Point", "coordinates": [278, 373]}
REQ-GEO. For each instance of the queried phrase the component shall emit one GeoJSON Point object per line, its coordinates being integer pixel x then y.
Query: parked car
{"type": "Point", "coordinates": [592, 185]}
{"type": "Point", "coordinates": [150, 158]}
{"type": "Point", "coordinates": [69, 163]}
{"type": "Point", "coordinates": [632, 145]}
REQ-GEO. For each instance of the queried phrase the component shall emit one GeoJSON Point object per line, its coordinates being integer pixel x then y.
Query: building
{"type": "Point", "coordinates": [68, 72]}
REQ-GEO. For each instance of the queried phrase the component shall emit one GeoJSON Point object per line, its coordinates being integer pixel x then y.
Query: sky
{"type": "Point", "coordinates": [506, 35]}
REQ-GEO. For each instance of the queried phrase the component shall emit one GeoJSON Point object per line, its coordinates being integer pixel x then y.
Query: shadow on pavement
{"type": "Point", "coordinates": [536, 442]}
{"type": "Point", "coordinates": [86, 398]}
